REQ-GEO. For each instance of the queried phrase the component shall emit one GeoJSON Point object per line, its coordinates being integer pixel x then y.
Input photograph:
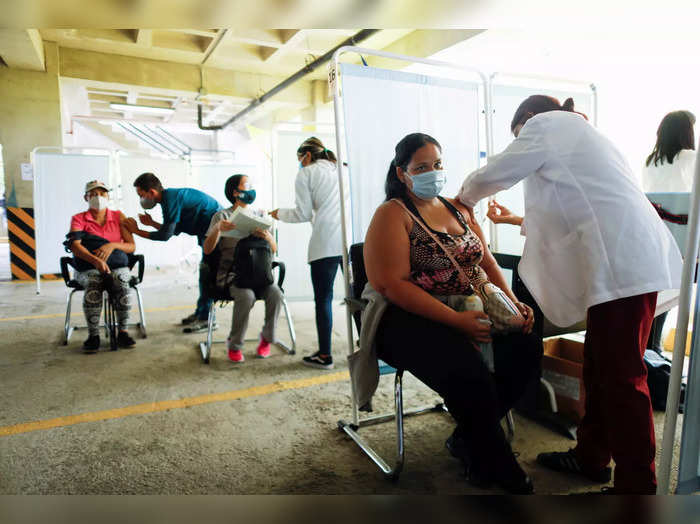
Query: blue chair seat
{"type": "Point", "coordinates": [385, 369]}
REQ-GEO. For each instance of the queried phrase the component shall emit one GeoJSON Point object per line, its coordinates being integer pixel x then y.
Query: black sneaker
{"type": "Point", "coordinates": [92, 344]}
{"type": "Point", "coordinates": [318, 361]}
{"type": "Point", "coordinates": [567, 462]}
{"type": "Point", "coordinates": [124, 340]}
{"type": "Point", "coordinates": [200, 326]}
{"type": "Point", "coordinates": [189, 319]}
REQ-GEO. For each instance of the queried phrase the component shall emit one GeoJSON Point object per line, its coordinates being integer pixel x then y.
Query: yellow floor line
{"type": "Point", "coordinates": [164, 405]}
{"type": "Point", "coordinates": [79, 313]}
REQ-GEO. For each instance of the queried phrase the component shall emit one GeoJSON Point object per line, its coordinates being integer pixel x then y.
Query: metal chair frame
{"type": "Point", "coordinates": [205, 347]}
{"type": "Point", "coordinates": [392, 473]}
{"type": "Point", "coordinates": [74, 286]}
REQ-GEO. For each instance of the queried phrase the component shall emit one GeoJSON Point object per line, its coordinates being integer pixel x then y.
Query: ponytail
{"type": "Point", "coordinates": [318, 151]}
{"type": "Point", "coordinates": [568, 105]}
{"type": "Point", "coordinates": [393, 187]}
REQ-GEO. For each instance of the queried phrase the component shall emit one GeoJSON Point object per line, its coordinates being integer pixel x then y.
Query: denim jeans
{"type": "Point", "coordinates": [203, 302]}
{"type": "Point", "coordinates": [323, 273]}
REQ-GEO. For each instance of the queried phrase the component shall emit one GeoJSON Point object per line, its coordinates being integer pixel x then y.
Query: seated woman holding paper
{"type": "Point", "coordinates": [225, 236]}
{"type": "Point", "coordinates": [426, 260]}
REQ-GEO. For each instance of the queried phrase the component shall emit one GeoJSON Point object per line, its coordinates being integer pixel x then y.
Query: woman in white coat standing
{"type": "Point", "coordinates": [596, 249]}
{"type": "Point", "coordinates": [318, 202]}
{"type": "Point", "coordinates": [670, 168]}
{"type": "Point", "coordinates": [671, 165]}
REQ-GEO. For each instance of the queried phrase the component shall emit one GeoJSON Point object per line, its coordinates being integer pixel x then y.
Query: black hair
{"type": "Point", "coordinates": [675, 132]}
{"type": "Point", "coordinates": [232, 184]}
{"type": "Point", "coordinates": [537, 104]}
{"type": "Point", "coordinates": [403, 153]}
{"type": "Point", "coordinates": [148, 181]}
{"type": "Point", "coordinates": [318, 151]}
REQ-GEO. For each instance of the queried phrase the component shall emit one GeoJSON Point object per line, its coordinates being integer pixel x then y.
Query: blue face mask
{"type": "Point", "coordinates": [301, 166]}
{"type": "Point", "coordinates": [428, 185]}
{"type": "Point", "coordinates": [247, 197]}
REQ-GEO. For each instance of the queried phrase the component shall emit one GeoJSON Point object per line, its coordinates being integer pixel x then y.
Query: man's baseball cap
{"type": "Point", "coordinates": [94, 184]}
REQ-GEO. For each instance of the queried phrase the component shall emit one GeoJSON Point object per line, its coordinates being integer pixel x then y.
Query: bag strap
{"type": "Point", "coordinates": [465, 278]}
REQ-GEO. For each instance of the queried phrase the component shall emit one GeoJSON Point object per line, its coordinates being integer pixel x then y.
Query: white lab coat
{"type": "Point", "coordinates": [591, 234]}
{"type": "Point", "coordinates": [318, 202]}
{"type": "Point", "coordinates": [670, 178]}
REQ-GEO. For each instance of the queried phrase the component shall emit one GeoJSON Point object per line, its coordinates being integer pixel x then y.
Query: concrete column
{"type": "Point", "coordinates": [30, 116]}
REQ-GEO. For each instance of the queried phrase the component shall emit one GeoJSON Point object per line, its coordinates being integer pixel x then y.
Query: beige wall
{"type": "Point", "coordinates": [30, 116]}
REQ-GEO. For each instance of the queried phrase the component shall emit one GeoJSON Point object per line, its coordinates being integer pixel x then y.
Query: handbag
{"type": "Point", "coordinates": [503, 314]}
{"type": "Point", "coordinates": [117, 259]}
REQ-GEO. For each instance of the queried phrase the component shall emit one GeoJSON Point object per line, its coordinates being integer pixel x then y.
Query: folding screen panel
{"type": "Point", "coordinates": [381, 106]}
{"type": "Point", "coordinates": [59, 189]}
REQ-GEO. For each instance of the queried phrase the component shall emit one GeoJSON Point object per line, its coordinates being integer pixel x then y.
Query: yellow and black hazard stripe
{"type": "Point", "coordinates": [20, 228]}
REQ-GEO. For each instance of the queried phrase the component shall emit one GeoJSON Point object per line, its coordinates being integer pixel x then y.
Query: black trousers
{"type": "Point", "coordinates": [442, 358]}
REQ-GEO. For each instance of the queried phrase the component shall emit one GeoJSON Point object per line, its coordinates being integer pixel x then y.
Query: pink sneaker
{"type": "Point", "coordinates": [235, 355]}
{"type": "Point", "coordinates": [263, 348]}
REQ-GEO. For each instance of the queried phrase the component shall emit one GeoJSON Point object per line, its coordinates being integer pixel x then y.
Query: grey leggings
{"type": "Point", "coordinates": [243, 301]}
{"type": "Point", "coordinates": [94, 283]}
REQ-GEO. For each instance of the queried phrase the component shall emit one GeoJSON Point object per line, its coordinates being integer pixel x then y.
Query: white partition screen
{"type": "Point", "coordinates": [172, 173]}
{"type": "Point", "coordinates": [59, 189]}
{"type": "Point", "coordinates": [505, 100]}
{"type": "Point", "coordinates": [293, 239]}
{"type": "Point", "coordinates": [380, 107]}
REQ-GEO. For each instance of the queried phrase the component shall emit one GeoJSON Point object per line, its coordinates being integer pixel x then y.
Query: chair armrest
{"type": "Point", "coordinates": [141, 261]}
{"type": "Point", "coordinates": [65, 273]}
{"type": "Point", "coordinates": [282, 271]}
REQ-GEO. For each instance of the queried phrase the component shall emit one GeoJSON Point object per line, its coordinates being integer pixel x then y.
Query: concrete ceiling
{"type": "Point", "coordinates": [222, 69]}
{"type": "Point", "coordinates": [266, 56]}
{"type": "Point", "coordinates": [278, 52]}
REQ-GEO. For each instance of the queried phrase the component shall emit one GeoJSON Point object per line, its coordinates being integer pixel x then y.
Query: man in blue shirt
{"type": "Point", "coordinates": [185, 210]}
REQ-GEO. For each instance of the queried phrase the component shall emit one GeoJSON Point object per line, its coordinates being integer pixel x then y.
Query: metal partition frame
{"type": "Point", "coordinates": [674, 388]}
{"type": "Point", "coordinates": [589, 85]}
{"type": "Point", "coordinates": [339, 152]}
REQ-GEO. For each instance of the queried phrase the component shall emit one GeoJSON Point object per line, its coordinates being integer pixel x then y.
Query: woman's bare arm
{"type": "Point", "coordinates": [388, 266]}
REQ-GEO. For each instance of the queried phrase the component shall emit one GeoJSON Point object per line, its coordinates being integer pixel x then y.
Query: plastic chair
{"type": "Point", "coordinates": [108, 310]}
{"type": "Point", "coordinates": [356, 304]}
{"type": "Point", "coordinates": [219, 296]}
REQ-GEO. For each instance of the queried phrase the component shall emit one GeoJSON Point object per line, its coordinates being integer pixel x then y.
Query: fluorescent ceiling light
{"type": "Point", "coordinates": [142, 109]}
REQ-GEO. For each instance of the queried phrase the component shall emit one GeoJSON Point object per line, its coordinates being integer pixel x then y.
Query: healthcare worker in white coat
{"type": "Point", "coordinates": [596, 249]}
{"type": "Point", "coordinates": [318, 202]}
{"type": "Point", "coordinates": [670, 168]}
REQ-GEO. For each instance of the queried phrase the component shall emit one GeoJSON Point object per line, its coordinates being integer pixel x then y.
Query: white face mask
{"type": "Point", "coordinates": [98, 202]}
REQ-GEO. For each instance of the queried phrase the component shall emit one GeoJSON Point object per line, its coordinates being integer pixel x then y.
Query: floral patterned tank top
{"type": "Point", "coordinates": [431, 269]}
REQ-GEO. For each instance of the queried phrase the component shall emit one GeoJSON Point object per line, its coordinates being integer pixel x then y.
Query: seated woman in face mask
{"type": "Point", "coordinates": [420, 250]}
{"type": "Point", "coordinates": [240, 193]}
{"type": "Point", "coordinates": [94, 263]}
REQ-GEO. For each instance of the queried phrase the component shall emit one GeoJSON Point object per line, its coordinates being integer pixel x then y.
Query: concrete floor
{"type": "Point", "coordinates": [278, 441]}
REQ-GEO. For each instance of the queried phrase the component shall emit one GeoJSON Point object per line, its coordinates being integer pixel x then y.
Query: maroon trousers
{"type": "Point", "coordinates": [618, 421]}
